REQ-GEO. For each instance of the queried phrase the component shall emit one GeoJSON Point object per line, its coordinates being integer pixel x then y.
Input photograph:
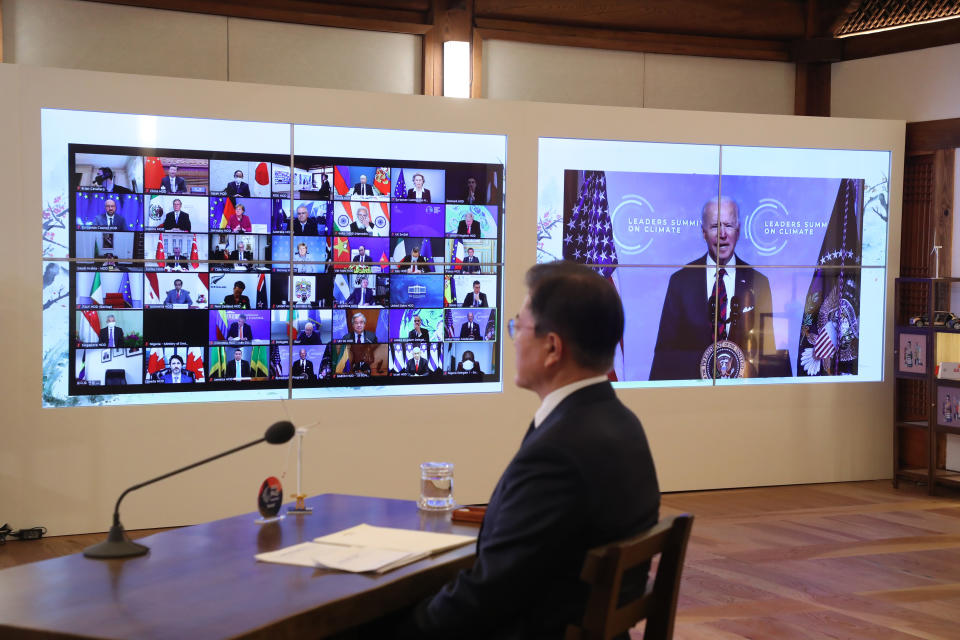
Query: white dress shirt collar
{"type": "Point", "coordinates": [557, 396]}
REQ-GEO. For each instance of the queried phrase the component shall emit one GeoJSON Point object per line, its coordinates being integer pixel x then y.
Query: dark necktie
{"type": "Point", "coordinates": [719, 298]}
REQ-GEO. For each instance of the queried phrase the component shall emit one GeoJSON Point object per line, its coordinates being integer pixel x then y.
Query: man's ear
{"type": "Point", "coordinates": [553, 348]}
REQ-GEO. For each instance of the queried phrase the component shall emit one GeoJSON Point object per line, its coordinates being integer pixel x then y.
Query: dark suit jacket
{"type": "Point", "coordinates": [185, 376]}
{"type": "Point", "coordinates": [423, 335]}
{"type": "Point", "coordinates": [361, 189]}
{"type": "Point", "coordinates": [368, 337]}
{"type": "Point", "coordinates": [307, 229]}
{"type": "Point", "coordinates": [235, 255]}
{"type": "Point", "coordinates": [183, 223]}
{"type": "Point", "coordinates": [244, 301]}
{"type": "Point", "coordinates": [478, 198]}
{"type": "Point", "coordinates": [471, 265]}
{"type": "Point", "coordinates": [232, 369]}
{"type": "Point", "coordinates": [180, 185]}
{"type": "Point", "coordinates": [474, 231]}
{"type": "Point", "coordinates": [324, 193]}
{"type": "Point", "coordinates": [584, 478]}
{"type": "Point", "coordinates": [172, 262]}
{"type": "Point", "coordinates": [686, 326]}
{"type": "Point", "coordinates": [232, 190]}
{"type": "Point", "coordinates": [366, 258]}
{"type": "Point", "coordinates": [117, 336]}
{"type": "Point", "coordinates": [119, 222]}
{"type": "Point", "coordinates": [423, 369]}
{"type": "Point", "coordinates": [234, 331]}
{"type": "Point", "coordinates": [412, 194]}
{"type": "Point", "coordinates": [468, 299]}
{"type": "Point", "coordinates": [368, 294]}
{"type": "Point", "coordinates": [408, 261]}
{"type": "Point", "coordinates": [300, 371]}
{"type": "Point", "coordinates": [313, 338]}
{"type": "Point", "coordinates": [470, 330]}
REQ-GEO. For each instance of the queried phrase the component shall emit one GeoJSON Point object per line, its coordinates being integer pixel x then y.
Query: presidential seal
{"type": "Point", "coordinates": [731, 363]}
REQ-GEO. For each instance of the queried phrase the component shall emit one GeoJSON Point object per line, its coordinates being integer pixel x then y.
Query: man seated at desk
{"type": "Point", "coordinates": [178, 295]}
{"type": "Point", "coordinates": [583, 475]}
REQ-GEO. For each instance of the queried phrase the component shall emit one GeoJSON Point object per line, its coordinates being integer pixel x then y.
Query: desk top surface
{"type": "Point", "coordinates": [203, 581]}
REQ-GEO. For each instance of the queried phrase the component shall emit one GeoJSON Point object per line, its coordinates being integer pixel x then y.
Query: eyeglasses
{"type": "Point", "coordinates": [514, 324]}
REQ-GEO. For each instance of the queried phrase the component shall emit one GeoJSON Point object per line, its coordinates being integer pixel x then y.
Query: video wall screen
{"type": "Point", "coordinates": [770, 270]}
{"type": "Point", "coordinates": [224, 273]}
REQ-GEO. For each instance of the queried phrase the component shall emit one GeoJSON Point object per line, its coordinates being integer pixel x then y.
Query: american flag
{"type": "Point", "coordinates": [588, 236]}
{"type": "Point", "coordinates": [588, 233]}
{"type": "Point", "coordinates": [276, 366]}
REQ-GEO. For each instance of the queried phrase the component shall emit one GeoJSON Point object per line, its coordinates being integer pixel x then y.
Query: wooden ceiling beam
{"type": "Point", "coordinates": [921, 36]}
{"type": "Point", "coordinates": [761, 19]}
{"type": "Point", "coordinates": [718, 47]}
{"type": "Point", "coordinates": [323, 14]}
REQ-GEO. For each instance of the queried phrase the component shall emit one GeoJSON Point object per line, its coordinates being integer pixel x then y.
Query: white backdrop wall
{"type": "Point", "coordinates": [549, 73]}
{"type": "Point", "coordinates": [912, 86]}
{"type": "Point", "coordinates": [64, 468]}
{"type": "Point", "coordinates": [105, 37]}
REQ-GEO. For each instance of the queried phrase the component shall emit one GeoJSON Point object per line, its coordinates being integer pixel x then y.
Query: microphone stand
{"type": "Point", "coordinates": [117, 545]}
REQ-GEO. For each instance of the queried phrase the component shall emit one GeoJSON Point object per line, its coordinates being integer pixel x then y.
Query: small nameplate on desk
{"type": "Point", "coordinates": [366, 549]}
{"type": "Point", "coordinates": [473, 515]}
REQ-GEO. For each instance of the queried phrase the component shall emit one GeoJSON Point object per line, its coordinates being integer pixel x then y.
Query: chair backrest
{"type": "Point", "coordinates": [115, 376]}
{"type": "Point", "coordinates": [603, 569]}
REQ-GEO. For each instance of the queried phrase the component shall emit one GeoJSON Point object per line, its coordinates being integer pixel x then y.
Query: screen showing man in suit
{"type": "Point", "coordinates": [177, 375]}
{"type": "Point", "coordinates": [238, 368]}
{"type": "Point", "coordinates": [468, 226]}
{"type": "Point", "coordinates": [724, 302]}
{"type": "Point", "coordinates": [362, 188]}
{"type": "Point", "coordinates": [302, 368]}
{"type": "Point", "coordinates": [470, 330]}
{"type": "Point", "coordinates": [238, 187]}
{"type": "Point", "coordinates": [239, 330]}
{"type": "Point", "coordinates": [418, 332]}
{"type": "Point", "coordinates": [224, 249]}
{"type": "Point", "coordinates": [362, 223]}
{"type": "Point", "coordinates": [110, 218]}
{"type": "Point", "coordinates": [584, 454]}
{"type": "Point", "coordinates": [177, 220]}
{"type": "Point", "coordinates": [475, 298]}
{"type": "Point", "coordinates": [309, 335]}
{"type": "Point", "coordinates": [178, 295]}
{"type": "Point", "coordinates": [171, 183]}
{"type": "Point", "coordinates": [111, 335]}
{"type": "Point", "coordinates": [417, 364]}
{"type": "Point", "coordinates": [359, 333]}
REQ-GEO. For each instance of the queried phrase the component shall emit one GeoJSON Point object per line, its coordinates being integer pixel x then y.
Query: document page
{"type": "Point", "coordinates": [366, 549]}
{"type": "Point", "coordinates": [365, 535]}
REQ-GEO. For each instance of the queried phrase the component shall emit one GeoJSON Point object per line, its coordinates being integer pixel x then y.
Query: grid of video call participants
{"type": "Point", "coordinates": [199, 268]}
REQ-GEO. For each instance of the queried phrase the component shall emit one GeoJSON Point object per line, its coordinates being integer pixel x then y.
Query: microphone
{"type": "Point", "coordinates": [118, 546]}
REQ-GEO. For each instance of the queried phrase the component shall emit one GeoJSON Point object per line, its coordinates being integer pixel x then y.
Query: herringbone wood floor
{"type": "Point", "coordinates": [850, 560]}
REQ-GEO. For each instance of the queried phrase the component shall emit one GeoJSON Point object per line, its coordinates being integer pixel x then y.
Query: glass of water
{"type": "Point", "coordinates": [436, 486]}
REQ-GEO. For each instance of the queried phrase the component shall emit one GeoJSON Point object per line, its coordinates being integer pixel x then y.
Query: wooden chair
{"type": "Point", "coordinates": [603, 569]}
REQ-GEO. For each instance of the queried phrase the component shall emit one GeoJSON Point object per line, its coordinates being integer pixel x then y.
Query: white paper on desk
{"type": "Point", "coordinates": [301, 555]}
{"type": "Point", "coordinates": [420, 542]}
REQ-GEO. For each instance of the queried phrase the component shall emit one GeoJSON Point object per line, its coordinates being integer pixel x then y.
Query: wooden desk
{"type": "Point", "coordinates": [202, 581]}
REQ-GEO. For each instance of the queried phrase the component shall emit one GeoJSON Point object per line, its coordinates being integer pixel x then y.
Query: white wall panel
{"type": "Point", "coordinates": [106, 37]}
{"type": "Point", "coordinates": [912, 86]}
{"type": "Point", "coordinates": [718, 84]}
{"type": "Point", "coordinates": [309, 56]}
{"type": "Point", "coordinates": [546, 73]}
